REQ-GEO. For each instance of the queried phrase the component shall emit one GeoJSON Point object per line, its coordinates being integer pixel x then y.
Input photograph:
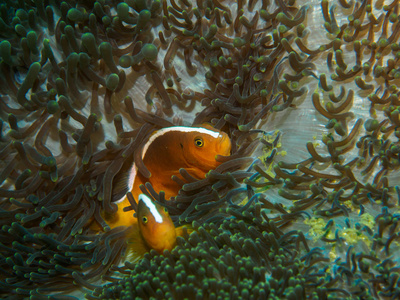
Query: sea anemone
{"type": "Point", "coordinates": [306, 205]}
{"type": "Point", "coordinates": [234, 258]}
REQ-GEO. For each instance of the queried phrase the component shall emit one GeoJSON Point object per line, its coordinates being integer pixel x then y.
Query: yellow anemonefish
{"type": "Point", "coordinates": [155, 229]}
{"type": "Point", "coordinates": [168, 150]}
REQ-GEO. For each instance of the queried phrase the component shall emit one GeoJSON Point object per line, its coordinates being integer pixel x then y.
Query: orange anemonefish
{"type": "Point", "coordinates": [155, 229]}
{"type": "Point", "coordinates": [168, 150]}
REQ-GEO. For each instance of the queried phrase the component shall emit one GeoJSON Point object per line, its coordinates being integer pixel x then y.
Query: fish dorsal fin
{"type": "Point", "coordinates": [205, 125]}
{"type": "Point", "coordinates": [121, 180]}
{"type": "Point", "coordinates": [125, 177]}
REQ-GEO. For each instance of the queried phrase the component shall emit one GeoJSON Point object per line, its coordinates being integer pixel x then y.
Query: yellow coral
{"type": "Point", "coordinates": [367, 219]}
{"type": "Point", "coordinates": [317, 228]}
{"type": "Point", "coordinates": [267, 152]}
{"type": "Point", "coordinates": [332, 253]}
{"type": "Point", "coordinates": [354, 236]}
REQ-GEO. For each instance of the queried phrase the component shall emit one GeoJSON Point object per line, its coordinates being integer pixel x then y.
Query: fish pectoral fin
{"type": "Point", "coordinates": [136, 246]}
{"type": "Point", "coordinates": [184, 231]}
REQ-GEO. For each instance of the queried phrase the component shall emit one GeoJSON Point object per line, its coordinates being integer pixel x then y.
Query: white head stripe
{"type": "Point", "coordinates": [132, 173]}
{"type": "Point", "coordinates": [160, 132]}
{"type": "Point", "coordinates": [150, 205]}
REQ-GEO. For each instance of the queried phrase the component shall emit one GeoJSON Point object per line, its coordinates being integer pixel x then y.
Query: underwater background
{"type": "Point", "coordinates": [306, 207]}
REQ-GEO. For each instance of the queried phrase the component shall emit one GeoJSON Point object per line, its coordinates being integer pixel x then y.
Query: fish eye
{"type": "Point", "coordinates": [199, 142]}
{"type": "Point", "coordinates": [165, 210]}
{"type": "Point", "coordinates": [144, 220]}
